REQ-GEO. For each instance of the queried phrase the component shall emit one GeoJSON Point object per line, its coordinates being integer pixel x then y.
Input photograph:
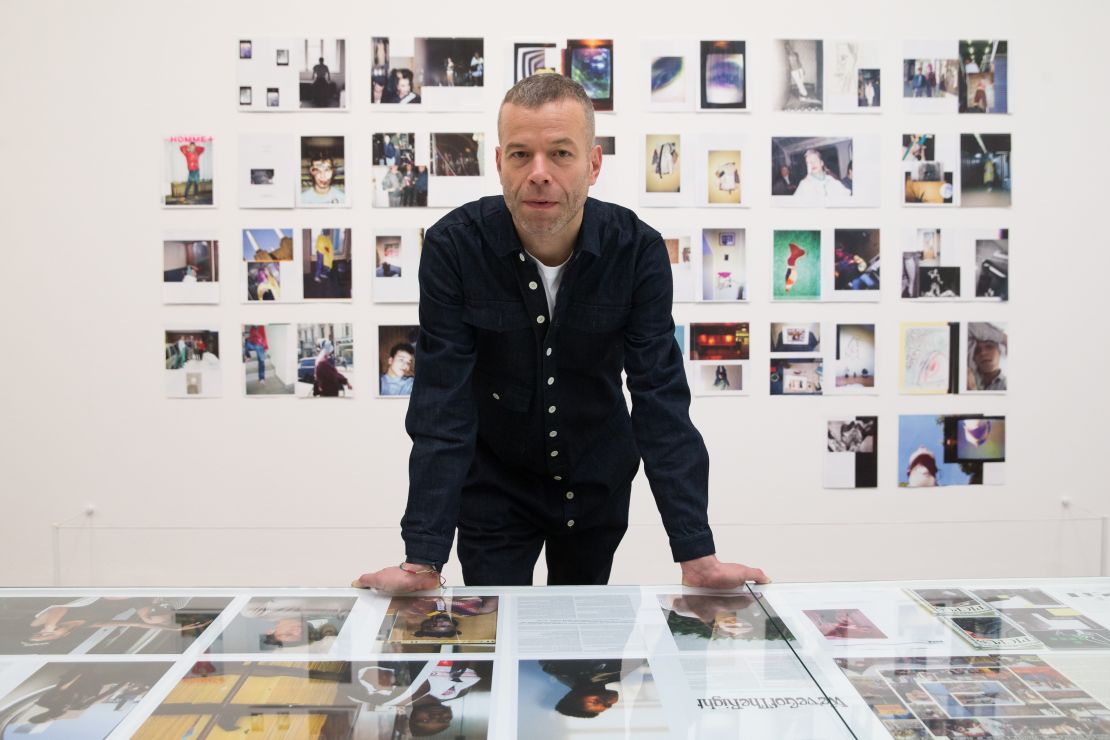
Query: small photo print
{"type": "Point", "coordinates": [870, 92]}
{"type": "Point", "coordinates": [533, 58]}
{"type": "Point", "coordinates": [273, 97]}
{"type": "Point", "coordinates": [985, 170]}
{"type": "Point", "coordinates": [724, 264]}
{"type": "Point", "coordinates": [192, 361]}
{"type": "Point", "coordinates": [394, 149]}
{"type": "Point", "coordinates": [797, 266]}
{"type": "Point", "coordinates": [191, 270]}
{"type": "Point", "coordinates": [281, 58]}
{"type": "Point", "coordinates": [325, 361]}
{"type": "Point", "coordinates": [438, 624]}
{"type": "Point", "coordinates": [728, 341]}
{"type": "Point", "coordinates": [844, 624]}
{"type": "Point", "coordinates": [928, 361]}
{"type": "Point", "coordinates": [950, 450]}
{"type": "Point", "coordinates": [992, 267]}
{"type": "Point", "coordinates": [263, 281]}
{"type": "Point", "coordinates": [855, 356]}
{"type": "Point", "coordinates": [269, 360]}
{"type": "Point", "coordinates": [668, 79]}
{"type": "Point", "coordinates": [589, 62]}
{"type": "Point", "coordinates": [450, 62]}
{"type": "Point", "coordinates": [588, 697]}
{"type": "Point", "coordinates": [987, 352]}
{"type": "Point", "coordinates": [810, 169]}
{"type": "Point", "coordinates": [323, 178]}
{"type": "Point", "coordinates": [797, 377]}
{"type": "Point", "coordinates": [393, 83]}
{"type": "Point", "coordinates": [719, 378]}
{"type": "Point", "coordinates": [396, 262]}
{"type": "Point", "coordinates": [608, 145]}
{"type": "Point", "coordinates": [276, 624]}
{"type": "Point", "coordinates": [795, 337]}
{"type": "Point", "coordinates": [77, 700]}
{"type": "Point", "coordinates": [458, 155]}
{"type": "Point", "coordinates": [246, 95]}
{"type": "Point", "coordinates": [387, 257]}
{"type": "Point", "coordinates": [983, 78]}
{"type": "Point", "coordinates": [855, 260]}
{"type": "Point", "coordinates": [245, 49]}
{"type": "Point", "coordinates": [188, 171]}
{"type": "Point", "coordinates": [326, 263]}
{"type": "Point", "coordinates": [928, 178]}
{"type": "Point", "coordinates": [723, 187]}
{"type": "Point", "coordinates": [798, 70]}
{"type": "Point", "coordinates": [851, 453]}
{"type": "Point", "coordinates": [397, 359]}
{"type": "Point", "coordinates": [267, 245]}
{"type": "Point", "coordinates": [930, 78]}
{"type": "Point", "coordinates": [663, 173]}
{"type": "Point", "coordinates": [722, 621]}
{"type": "Point", "coordinates": [323, 78]}
{"type": "Point", "coordinates": [681, 256]}
{"type": "Point", "coordinates": [723, 75]}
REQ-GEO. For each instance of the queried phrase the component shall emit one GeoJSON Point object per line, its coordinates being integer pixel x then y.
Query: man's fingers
{"type": "Point", "coordinates": [366, 580]}
{"type": "Point", "coordinates": [755, 575]}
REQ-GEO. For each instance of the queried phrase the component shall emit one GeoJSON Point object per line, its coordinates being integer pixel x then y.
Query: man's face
{"type": "Point", "coordinates": [784, 171]}
{"type": "Point", "coordinates": [192, 147]}
{"type": "Point", "coordinates": [814, 163]}
{"type": "Point", "coordinates": [322, 173]}
{"type": "Point", "coordinates": [288, 630]}
{"type": "Point", "coordinates": [404, 87]}
{"type": "Point", "coordinates": [986, 356]}
{"type": "Point", "coordinates": [546, 165]}
{"type": "Point", "coordinates": [598, 703]}
{"type": "Point", "coordinates": [428, 719]}
{"type": "Point", "coordinates": [401, 363]}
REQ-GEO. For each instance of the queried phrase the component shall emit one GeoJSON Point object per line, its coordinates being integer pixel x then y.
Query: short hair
{"type": "Point", "coordinates": [403, 72]}
{"type": "Point", "coordinates": [571, 704]}
{"type": "Point", "coordinates": [321, 156]}
{"type": "Point", "coordinates": [547, 87]}
{"type": "Point", "coordinates": [402, 347]}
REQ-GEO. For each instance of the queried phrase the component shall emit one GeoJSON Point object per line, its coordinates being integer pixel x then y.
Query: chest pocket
{"type": "Point", "coordinates": [595, 319]}
{"type": "Point", "coordinates": [496, 315]}
{"type": "Point", "coordinates": [500, 393]}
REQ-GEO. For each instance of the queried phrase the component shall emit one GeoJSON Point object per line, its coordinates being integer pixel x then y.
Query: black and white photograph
{"type": "Point", "coordinates": [797, 68]}
{"type": "Point", "coordinates": [851, 453]}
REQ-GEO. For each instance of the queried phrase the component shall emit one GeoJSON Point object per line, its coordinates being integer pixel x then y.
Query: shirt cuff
{"type": "Point", "coordinates": [690, 548]}
{"type": "Point", "coordinates": [427, 552]}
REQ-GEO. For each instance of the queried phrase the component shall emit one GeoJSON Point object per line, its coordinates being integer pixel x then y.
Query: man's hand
{"type": "Point", "coordinates": [709, 572]}
{"type": "Point", "coordinates": [393, 580]}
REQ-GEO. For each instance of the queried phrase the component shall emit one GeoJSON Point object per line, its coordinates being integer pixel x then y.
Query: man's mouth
{"type": "Point", "coordinates": [533, 203]}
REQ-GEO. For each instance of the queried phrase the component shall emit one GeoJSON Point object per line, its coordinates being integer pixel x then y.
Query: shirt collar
{"type": "Point", "coordinates": [508, 241]}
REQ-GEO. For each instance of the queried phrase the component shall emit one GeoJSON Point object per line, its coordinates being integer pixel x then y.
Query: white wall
{"type": "Point", "coordinates": [253, 491]}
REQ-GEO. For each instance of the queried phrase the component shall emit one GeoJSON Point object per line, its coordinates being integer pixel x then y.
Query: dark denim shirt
{"type": "Point", "coordinates": [543, 393]}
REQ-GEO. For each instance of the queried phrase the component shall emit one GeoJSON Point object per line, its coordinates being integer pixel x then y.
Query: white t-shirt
{"type": "Point", "coordinates": [551, 277]}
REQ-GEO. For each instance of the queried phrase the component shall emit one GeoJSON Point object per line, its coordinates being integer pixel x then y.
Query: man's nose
{"type": "Point", "coordinates": [539, 173]}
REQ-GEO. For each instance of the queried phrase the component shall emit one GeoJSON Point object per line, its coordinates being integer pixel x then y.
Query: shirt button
{"type": "Point", "coordinates": [551, 409]}
{"type": "Point", "coordinates": [548, 352]}
{"type": "Point", "coordinates": [570, 522]}
{"type": "Point", "coordinates": [554, 453]}
{"type": "Point", "coordinates": [496, 396]}
{"type": "Point", "coordinates": [533, 285]}
{"type": "Point", "coordinates": [570, 495]}
{"type": "Point", "coordinates": [522, 256]}
{"type": "Point", "coordinates": [552, 434]}
{"type": "Point", "coordinates": [558, 477]}
{"type": "Point", "coordinates": [540, 319]}
{"type": "Point", "coordinates": [551, 381]}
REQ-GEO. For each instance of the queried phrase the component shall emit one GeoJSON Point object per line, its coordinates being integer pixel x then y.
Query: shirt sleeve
{"type": "Point", "coordinates": [442, 418]}
{"type": "Point", "coordinates": [674, 455]}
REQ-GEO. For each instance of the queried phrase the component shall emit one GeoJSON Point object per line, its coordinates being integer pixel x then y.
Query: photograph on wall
{"type": "Point", "coordinates": [268, 171]}
{"type": "Point", "coordinates": [396, 261]}
{"type": "Point", "coordinates": [723, 75]}
{"type": "Point", "coordinates": [844, 624]}
{"type": "Point", "coordinates": [928, 360]}
{"type": "Point", "coordinates": [188, 169]}
{"type": "Point", "coordinates": [985, 170]}
{"type": "Point", "coordinates": [724, 265]}
{"type": "Point", "coordinates": [400, 171]}
{"type": "Point", "coordinates": [589, 62]}
{"type": "Point", "coordinates": [825, 171]}
{"type": "Point", "coordinates": [852, 82]}
{"type": "Point", "coordinates": [588, 697]}
{"type": "Point", "coordinates": [797, 75]}
{"type": "Point", "coordinates": [269, 360]}
{"type": "Point", "coordinates": [268, 259]}
{"type": "Point", "coordinates": [854, 361]}
{"type": "Point", "coordinates": [428, 73]}
{"type": "Point", "coordinates": [77, 700]}
{"type": "Point", "coordinates": [797, 376]}
{"type": "Point", "coordinates": [723, 185]}
{"type": "Point", "coordinates": [609, 185]}
{"type": "Point", "coordinates": [288, 74]}
{"type": "Point", "coordinates": [928, 169]}
{"type": "Point", "coordinates": [704, 622]}
{"type": "Point", "coordinates": [992, 266]}
{"type": "Point", "coordinates": [851, 461]}
{"type": "Point", "coordinates": [393, 80]}
{"type": "Point", "coordinates": [326, 264]}
{"type": "Point", "coordinates": [190, 268]}
{"type": "Point", "coordinates": [680, 252]}
{"type": "Point", "coordinates": [450, 62]}
{"type": "Point", "coordinates": [105, 625]}
{"type": "Point", "coordinates": [663, 171]}
{"type": "Point", "coordinates": [325, 361]}
{"type": "Point", "coordinates": [720, 178]}
{"type": "Point", "coordinates": [856, 263]}
{"type": "Point", "coordinates": [192, 360]}
{"type": "Point", "coordinates": [796, 266]}
{"type": "Point", "coordinates": [442, 623]}
{"type": "Point", "coordinates": [396, 360]}
{"type": "Point", "coordinates": [285, 624]}
{"type": "Point", "coordinates": [931, 73]}
{"type": "Point", "coordinates": [322, 177]}
{"type": "Point", "coordinates": [963, 450]}
{"type": "Point", "coordinates": [984, 80]}
{"type": "Point", "coordinates": [798, 337]}
{"type": "Point", "coordinates": [458, 155]}
{"type": "Point", "coordinates": [728, 341]}
{"type": "Point", "coordinates": [327, 699]}
{"type": "Point", "coordinates": [719, 378]}
{"type": "Point", "coordinates": [669, 76]}
{"type": "Point", "coordinates": [531, 58]}
{"type": "Point", "coordinates": [956, 264]}
{"type": "Point", "coordinates": [987, 353]}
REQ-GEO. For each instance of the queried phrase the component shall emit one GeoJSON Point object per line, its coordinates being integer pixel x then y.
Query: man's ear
{"type": "Point", "coordinates": [497, 157]}
{"type": "Point", "coordinates": [595, 163]}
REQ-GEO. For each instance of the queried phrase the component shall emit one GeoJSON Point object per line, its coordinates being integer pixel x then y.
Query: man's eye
{"type": "Point", "coordinates": [562, 153]}
{"type": "Point", "coordinates": [518, 155]}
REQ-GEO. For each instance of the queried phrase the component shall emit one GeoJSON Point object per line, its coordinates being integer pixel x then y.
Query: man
{"type": "Point", "coordinates": [397, 379]}
{"type": "Point", "coordinates": [531, 305]}
{"type": "Point", "coordinates": [192, 154]}
{"type": "Point", "coordinates": [328, 381]}
{"type": "Point", "coordinates": [819, 182]}
{"type": "Point", "coordinates": [477, 69]}
{"type": "Point", "coordinates": [986, 350]}
{"type": "Point", "coordinates": [391, 184]}
{"type": "Point", "coordinates": [402, 81]}
{"type": "Point", "coordinates": [322, 192]}
{"type": "Point", "coordinates": [781, 185]}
